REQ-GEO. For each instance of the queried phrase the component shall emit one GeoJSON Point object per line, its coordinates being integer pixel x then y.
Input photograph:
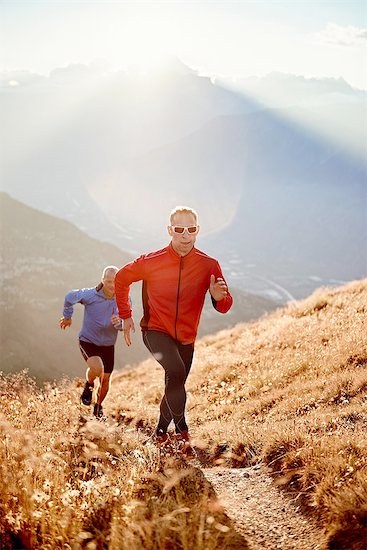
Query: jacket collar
{"type": "Point", "coordinates": [173, 253]}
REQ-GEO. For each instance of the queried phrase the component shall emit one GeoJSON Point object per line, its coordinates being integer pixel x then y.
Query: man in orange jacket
{"type": "Point", "coordinates": [175, 282]}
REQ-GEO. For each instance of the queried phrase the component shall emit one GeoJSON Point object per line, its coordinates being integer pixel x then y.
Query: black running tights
{"type": "Point", "coordinates": [176, 360]}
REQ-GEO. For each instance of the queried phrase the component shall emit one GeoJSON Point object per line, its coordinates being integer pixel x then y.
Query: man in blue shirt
{"type": "Point", "coordinates": [98, 334]}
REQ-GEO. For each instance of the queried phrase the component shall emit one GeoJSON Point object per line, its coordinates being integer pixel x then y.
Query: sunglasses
{"type": "Point", "coordinates": [179, 229]}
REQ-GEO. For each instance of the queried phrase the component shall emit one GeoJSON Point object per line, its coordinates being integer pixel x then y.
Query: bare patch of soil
{"type": "Point", "coordinates": [260, 512]}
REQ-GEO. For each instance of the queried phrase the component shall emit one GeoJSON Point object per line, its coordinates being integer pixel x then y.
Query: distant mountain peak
{"type": "Point", "coordinates": [174, 65]}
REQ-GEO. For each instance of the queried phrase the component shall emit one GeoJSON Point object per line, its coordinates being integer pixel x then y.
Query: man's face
{"type": "Point", "coordinates": [109, 284]}
{"type": "Point", "coordinates": [183, 242]}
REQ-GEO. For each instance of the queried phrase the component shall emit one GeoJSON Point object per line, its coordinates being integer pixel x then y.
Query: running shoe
{"type": "Point", "coordinates": [86, 397]}
{"type": "Point", "coordinates": [98, 411]}
{"type": "Point", "coordinates": [182, 436]}
{"type": "Point", "coordinates": [183, 443]}
{"type": "Point", "coordinates": [158, 438]}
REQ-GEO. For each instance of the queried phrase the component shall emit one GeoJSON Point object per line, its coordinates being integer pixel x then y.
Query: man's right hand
{"type": "Point", "coordinates": [128, 327]}
{"type": "Point", "coordinates": [64, 323]}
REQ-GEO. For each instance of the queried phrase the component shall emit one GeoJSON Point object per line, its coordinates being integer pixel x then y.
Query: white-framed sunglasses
{"type": "Point", "coordinates": [179, 229]}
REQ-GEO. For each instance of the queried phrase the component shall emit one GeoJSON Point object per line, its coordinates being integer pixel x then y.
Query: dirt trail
{"type": "Point", "coordinates": [266, 518]}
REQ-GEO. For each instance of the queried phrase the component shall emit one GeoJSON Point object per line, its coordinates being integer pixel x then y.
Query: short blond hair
{"type": "Point", "coordinates": [183, 210]}
{"type": "Point", "coordinates": [109, 268]}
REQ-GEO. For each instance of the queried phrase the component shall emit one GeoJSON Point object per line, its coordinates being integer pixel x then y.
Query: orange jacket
{"type": "Point", "coordinates": [174, 289]}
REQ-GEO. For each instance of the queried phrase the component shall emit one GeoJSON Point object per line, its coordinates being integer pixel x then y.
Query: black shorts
{"type": "Point", "coordinates": [106, 353]}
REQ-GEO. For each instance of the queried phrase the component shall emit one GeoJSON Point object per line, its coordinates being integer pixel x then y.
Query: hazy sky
{"type": "Point", "coordinates": [310, 38]}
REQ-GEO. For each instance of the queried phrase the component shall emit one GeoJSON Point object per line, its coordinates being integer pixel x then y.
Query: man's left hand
{"type": "Point", "coordinates": [218, 288]}
{"type": "Point", "coordinates": [116, 321]}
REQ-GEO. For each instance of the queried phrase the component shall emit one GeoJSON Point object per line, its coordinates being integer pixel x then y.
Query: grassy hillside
{"type": "Point", "coordinates": [289, 390]}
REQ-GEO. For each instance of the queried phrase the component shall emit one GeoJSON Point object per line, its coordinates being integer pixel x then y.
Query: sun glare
{"type": "Point", "coordinates": [144, 43]}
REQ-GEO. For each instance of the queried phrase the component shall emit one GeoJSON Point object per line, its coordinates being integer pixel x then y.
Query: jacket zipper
{"type": "Point", "coordinates": [178, 292]}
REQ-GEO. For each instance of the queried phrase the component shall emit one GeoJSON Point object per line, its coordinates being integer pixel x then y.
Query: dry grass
{"type": "Point", "coordinates": [289, 390]}
{"type": "Point", "coordinates": [68, 482]}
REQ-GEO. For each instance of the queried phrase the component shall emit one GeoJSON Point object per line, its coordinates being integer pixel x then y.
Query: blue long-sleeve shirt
{"type": "Point", "coordinates": [98, 310]}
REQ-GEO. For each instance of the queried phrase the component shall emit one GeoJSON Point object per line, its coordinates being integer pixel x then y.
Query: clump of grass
{"type": "Point", "coordinates": [86, 484]}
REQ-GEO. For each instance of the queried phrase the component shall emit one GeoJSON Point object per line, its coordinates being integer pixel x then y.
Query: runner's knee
{"type": "Point", "coordinates": [96, 366]}
{"type": "Point", "coordinates": [175, 382]}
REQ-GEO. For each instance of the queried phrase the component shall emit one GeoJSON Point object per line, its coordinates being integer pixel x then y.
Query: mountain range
{"type": "Point", "coordinates": [280, 202]}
